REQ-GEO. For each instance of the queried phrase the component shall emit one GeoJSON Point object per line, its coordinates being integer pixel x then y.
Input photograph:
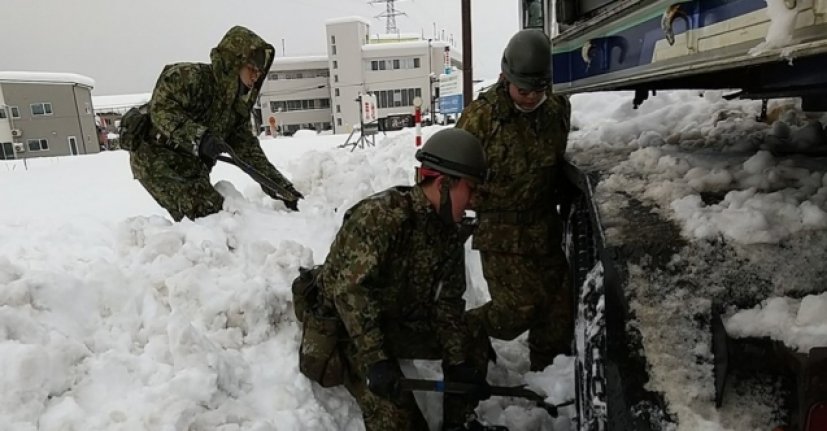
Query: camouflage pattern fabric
{"type": "Point", "coordinates": [527, 292]}
{"type": "Point", "coordinates": [382, 277]}
{"type": "Point", "coordinates": [520, 231]}
{"type": "Point", "coordinates": [190, 99]}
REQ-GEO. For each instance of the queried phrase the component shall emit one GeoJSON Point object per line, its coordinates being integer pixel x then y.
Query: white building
{"type": "Point", "coordinates": [321, 92]}
{"type": "Point", "coordinates": [296, 95]}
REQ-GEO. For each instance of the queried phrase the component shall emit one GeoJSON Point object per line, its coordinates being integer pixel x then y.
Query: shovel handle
{"type": "Point", "coordinates": [467, 388]}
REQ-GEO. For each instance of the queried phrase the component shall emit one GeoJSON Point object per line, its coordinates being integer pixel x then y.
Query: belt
{"type": "Point", "coordinates": [511, 217]}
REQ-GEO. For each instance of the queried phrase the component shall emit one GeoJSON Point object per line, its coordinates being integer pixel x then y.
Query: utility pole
{"type": "Point", "coordinates": [467, 65]}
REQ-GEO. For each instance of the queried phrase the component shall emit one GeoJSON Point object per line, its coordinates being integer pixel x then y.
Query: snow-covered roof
{"type": "Point", "coordinates": [120, 101]}
{"type": "Point", "coordinates": [280, 61]}
{"type": "Point", "coordinates": [346, 19]}
{"type": "Point", "coordinates": [395, 36]}
{"type": "Point", "coordinates": [412, 45]}
{"type": "Point", "coordinates": [47, 77]}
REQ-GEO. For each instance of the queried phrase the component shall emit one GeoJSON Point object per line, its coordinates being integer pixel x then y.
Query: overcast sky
{"type": "Point", "coordinates": [123, 44]}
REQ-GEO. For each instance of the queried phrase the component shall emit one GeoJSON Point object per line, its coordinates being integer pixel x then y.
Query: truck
{"type": "Point", "coordinates": [629, 256]}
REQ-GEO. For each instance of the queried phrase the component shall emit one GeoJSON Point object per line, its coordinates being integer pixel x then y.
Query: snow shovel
{"type": "Point", "coordinates": [257, 176]}
{"type": "Point", "coordinates": [469, 388]}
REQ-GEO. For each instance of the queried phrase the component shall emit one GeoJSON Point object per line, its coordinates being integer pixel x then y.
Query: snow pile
{"type": "Point", "coordinates": [113, 317]}
{"type": "Point", "coordinates": [742, 206]}
{"type": "Point", "coordinates": [799, 324]}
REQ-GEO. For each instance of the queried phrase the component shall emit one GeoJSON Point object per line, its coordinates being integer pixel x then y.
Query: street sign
{"type": "Point", "coordinates": [370, 116]}
{"type": "Point", "coordinates": [450, 93]}
{"type": "Point", "coordinates": [449, 84]}
{"type": "Point", "coordinates": [450, 104]}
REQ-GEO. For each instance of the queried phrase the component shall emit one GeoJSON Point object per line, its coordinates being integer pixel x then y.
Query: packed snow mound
{"type": "Point", "coordinates": [114, 317]}
{"type": "Point", "coordinates": [708, 207]}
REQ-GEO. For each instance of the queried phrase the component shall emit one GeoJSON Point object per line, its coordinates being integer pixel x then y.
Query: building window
{"type": "Point", "coordinates": [299, 105]}
{"type": "Point", "coordinates": [333, 40]}
{"type": "Point", "coordinates": [533, 14]}
{"type": "Point", "coordinates": [15, 111]}
{"type": "Point", "coordinates": [338, 121]}
{"type": "Point", "coordinates": [40, 109]}
{"type": "Point", "coordinates": [333, 49]}
{"type": "Point", "coordinates": [338, 109]}
{"type": "Point", "coordinates": [337, 92]}
{"type": "Point", "coordinates": [393, 64]}
{"type": "Point", "coordinates": [322, 74]}
{"type": "Point", "coordinates": [3, 113]}
{"type": "Point", "coordinates": [38, 144]}
{"type": "Point", "coordinates": [335, 78]}
{"type": "Point", "coordinates": [335, 64]}
{"type": "Point", "coordinates": [273, 76]}
{"type": "Point", "coordinates": [397, 98]}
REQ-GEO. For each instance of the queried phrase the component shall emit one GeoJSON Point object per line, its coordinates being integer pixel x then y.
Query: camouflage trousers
{"type": "Point", "coordinates": [528, 292]}
{"type": "Point", "coordinates": [180, 186]}
{"type": "Point", "coordinates": [382, 414]}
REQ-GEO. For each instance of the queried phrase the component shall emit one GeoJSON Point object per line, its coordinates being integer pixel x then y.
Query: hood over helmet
{"type": "Point", "coordinates": [238, 47]}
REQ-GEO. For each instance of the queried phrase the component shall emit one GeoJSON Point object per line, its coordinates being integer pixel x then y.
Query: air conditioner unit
{"type": "Point", "coordinates": [19, 147]}
{"type": "Point", "coordinates": [16, 133]}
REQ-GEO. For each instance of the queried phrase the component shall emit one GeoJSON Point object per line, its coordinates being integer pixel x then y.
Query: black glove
{"type": "Point", "coordinates": [383, 379]}
{"type": "Point", "coordinates": [465, 373]}
{"type": "Point", "coordinates": [210, 147]}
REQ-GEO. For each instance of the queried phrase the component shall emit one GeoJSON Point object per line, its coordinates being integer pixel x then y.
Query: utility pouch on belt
{"type": "Point", "coordinates": [306, 290]}
{"type": "Point", "coordinates": [320, 358]}
{"type": "Point", "coordinates": [135, 127]}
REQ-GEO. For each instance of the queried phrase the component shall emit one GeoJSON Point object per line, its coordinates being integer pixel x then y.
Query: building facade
{"type": "Point", "coordinates": [46, 114]}
{"type": "Point", "coordinates": [296, 95]}
{"type": "Point", "coordinates": [322, 92]}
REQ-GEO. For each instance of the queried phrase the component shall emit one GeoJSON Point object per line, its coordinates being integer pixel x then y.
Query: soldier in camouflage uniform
{"type": "Point", "coordinates": [395, 275]}
{"type": "Point", "coordinates": [524, 130]}
{"type": "Point", "coordinates": [196, 110]}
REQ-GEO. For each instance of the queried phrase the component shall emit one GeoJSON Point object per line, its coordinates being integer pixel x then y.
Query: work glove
{"type": "Point", "coordinates": [210, 147]}
{"type": "Point", "coordinates": [383, 379]}
{"type": "Point", "coordinates": [465, 373]}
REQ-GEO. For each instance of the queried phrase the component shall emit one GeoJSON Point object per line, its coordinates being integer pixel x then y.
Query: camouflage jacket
{"type": "Point", "coordinates": [517, 205]}
{"type": "Point", "coordinates": [383, 270]}
{"type": "Point", "coordinates": [192, 98]}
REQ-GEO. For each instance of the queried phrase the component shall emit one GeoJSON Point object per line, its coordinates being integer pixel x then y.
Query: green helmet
{"type": "Point", "coordinates": [527, 60]}
{"type": "Point", "coordinates": [454, 152]}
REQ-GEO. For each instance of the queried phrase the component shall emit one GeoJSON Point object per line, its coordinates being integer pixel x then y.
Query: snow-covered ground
{"type": "Point", "coordinates": [113, 317]}
{"type": "Point", "coordinates": [750, 225]}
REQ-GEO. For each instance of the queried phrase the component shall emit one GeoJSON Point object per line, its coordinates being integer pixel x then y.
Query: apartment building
{"type": "Point", "coordinates": [321, 92]}
{"type": "Point", "coordinates": [296, 95]}
{"type": "Point", "coordinates": [46, 114]}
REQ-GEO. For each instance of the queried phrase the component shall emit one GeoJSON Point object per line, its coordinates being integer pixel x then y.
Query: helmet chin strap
{"type": "Point", "coordinates": [445, 204]}
{"type": "Point", "coordinates": [526, 111]}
